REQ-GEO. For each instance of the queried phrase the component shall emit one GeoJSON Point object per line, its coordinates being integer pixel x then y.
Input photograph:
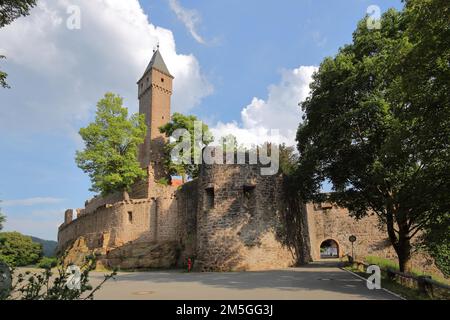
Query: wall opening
{"type": "Point", "coordinates": [329, 249]}
{"type": "Point", "coordinates": [249, 198]}
{"type": "Point", "coordinates": [130, 216]}
{"type": "Point", "coordinates": [209, 198]}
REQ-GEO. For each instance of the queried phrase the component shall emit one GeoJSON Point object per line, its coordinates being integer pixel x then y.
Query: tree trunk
{"type": "Point", "coordinates": [404, 257]}
{"type": "Point", "coordinates": [126, 196]}
{"type": "Point", "coordinates": [400, 242]}
{"type": "Point", "coordinates": [404, 249]}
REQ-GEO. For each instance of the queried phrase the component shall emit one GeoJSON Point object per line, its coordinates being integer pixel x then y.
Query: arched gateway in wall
{"type": "Point", "coordinates": [329, 249]}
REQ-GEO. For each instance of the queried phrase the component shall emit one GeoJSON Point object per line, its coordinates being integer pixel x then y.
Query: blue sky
{"type": "Point", "coordinates": [234, 62]}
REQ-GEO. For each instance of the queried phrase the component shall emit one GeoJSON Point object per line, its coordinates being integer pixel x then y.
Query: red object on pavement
{"type": "Point", "coordinates": [189, 265]}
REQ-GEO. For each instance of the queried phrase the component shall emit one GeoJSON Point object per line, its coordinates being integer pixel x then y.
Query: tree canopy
{"type": "Point", "coordinates": [377, 124]}
{"type": "Point", "coordinates": [188, 167]}
{"type": "Point", "coordinates": [2, 220]}
{"type": "Point", "coordinates": [18, 250]}
{"type": "Point", "coordinates": [13, 9]}
{"type": "Point", "coordinates": [9, 11]}
{"type": "Point", "coordinates": [111, 147]}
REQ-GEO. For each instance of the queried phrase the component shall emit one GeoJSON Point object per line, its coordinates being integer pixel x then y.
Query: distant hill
{"type": "Point", "coordinates": [48, 246]}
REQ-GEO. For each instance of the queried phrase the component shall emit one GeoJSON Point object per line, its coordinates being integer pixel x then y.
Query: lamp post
{"type": "Point", "coordinates": [352, 239]}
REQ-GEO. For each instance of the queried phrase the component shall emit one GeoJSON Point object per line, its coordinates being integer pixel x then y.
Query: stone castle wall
{"type": "Point", "coordinates": [238, 231]}
{"type": "Point", "coordinates": [168, 215]}
{"type": "Point", "coordinates": [227, 219]}
{"type": "Point", "coordinates": [237, 220]}
{"type": "Point", "coordinates": [108, 226]}
{"type": "Point", "coordinates": [186, 227]}
{"type": "Point", "coordinates": [329, 222]}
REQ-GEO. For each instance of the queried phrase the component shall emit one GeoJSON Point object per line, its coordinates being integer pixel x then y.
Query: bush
{"type": "Point", "coordinates": [163, 181]}
{"type": "Point", "coordinates": [47, 263]}
{"type": "Point", "coordinates": [64, 284]}
{"type": "Point", "coordinates": [18, 250]}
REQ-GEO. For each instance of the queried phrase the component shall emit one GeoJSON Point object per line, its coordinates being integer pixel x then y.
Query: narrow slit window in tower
{"type": "Point", "coordinates": [209, 201]}
{"type": "Point", "coordinates": [249, 199]}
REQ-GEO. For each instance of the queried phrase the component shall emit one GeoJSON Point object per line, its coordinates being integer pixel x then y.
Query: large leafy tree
{"type": "Point", "coordinates": [425, 84]}
{"type": "Point", "coordinates": [377, 124]}
{"type": "Point", "coordinates": [3, 76]}
{"type": "Point", "coordinates": [2, 220]}
{"type": "Point", "coordinates": [185, 166]}
{"type": "Point", "coordinates": [111, 147]}
{"type": "Point", "coordinates": [9, 11]}
{"type": "Point", "coordinates": [18, 250]}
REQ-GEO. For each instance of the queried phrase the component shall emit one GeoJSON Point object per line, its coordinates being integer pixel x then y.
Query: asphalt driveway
{"type": "Point", "coordinates": [324, 280]}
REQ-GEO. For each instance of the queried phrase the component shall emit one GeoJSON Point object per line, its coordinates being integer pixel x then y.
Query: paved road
{"type": "Point", "coordinates": [315, 281]}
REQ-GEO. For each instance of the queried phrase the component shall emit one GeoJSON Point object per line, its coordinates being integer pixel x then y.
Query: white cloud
{"type": "Point", "coordinates": [30, 202]}
{"type": "Point", "coordinates": [57, 75]}
{"type": "Point", "coordinates": [190, 18]}
{"type": "Point", "coordinates": [279, 112]}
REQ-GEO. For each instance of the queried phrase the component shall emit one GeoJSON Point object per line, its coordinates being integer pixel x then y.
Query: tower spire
{"type": "Point", "coordinates": [157, 62]}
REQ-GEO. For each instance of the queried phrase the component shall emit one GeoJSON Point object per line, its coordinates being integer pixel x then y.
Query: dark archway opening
{"type": "Point", "coordinates": [329, 249]}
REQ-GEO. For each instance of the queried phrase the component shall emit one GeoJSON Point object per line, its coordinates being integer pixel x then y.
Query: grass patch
{"type": "Point", "coordinates": [382, 262]}
{"type": "Point", "coordinates": [386, 283]}
{"type": "Point", "coordinates": [389, 264]}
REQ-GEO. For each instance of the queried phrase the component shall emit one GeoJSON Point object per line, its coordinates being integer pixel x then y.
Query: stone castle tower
{"type": "Point", "coordinates": [154, 92]}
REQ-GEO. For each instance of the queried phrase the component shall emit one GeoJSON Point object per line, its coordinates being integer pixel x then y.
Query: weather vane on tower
{"type": "Point", "coordinates": [157, 47]}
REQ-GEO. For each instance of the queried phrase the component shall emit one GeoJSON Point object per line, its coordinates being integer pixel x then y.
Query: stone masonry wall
{"type": "Point", "coordinates": [140, 190]}
{"type": "Point", "coordinates": [326, 221]}
{"type": "Point", "coordinates": [227, 219]}
{"type": "Point", "coordinates": [237, 220]}
{"type": "Point", "coordinates": [187, 206]}
{"type": "Point", "coordinates": [157, 222]}
{"type": "Point", "coordinates": [332, 222]}
{"type": "Point", "coordinates": [108, 226]}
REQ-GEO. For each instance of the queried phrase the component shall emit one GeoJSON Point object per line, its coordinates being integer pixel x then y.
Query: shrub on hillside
{"type": "Point", "coordinates": [47, 263]}
{"type": "Point", "coordinates": [18, 250]}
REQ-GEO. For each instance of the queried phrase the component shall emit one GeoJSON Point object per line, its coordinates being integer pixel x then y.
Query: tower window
{"type": "Point", "coordinates": [249, 198]}
{"type": "Point", "coordinates": [130, 217]}
{"type": "Point", "coordinates": [209, 198]}
{"type": "Point", "coordinates": [162, 79]}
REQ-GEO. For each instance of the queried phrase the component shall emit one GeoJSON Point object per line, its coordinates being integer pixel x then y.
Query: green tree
{"type": "Point", "coordinates": [288, 160]}
{"type": "Point", "coordinates": [111, 147]}
{"type": "Point", "coordinates": [377, 124]}
{"type": "Point", "coordinates": [2, 219]}
{"type": "Point", "coordinates": [18, 250]}
{"type": "Point", "coordinates": [9, 11]}
{"type": "Point", "coordinates": [425, 84]}
{"type": "Point", "coordinates": [3, 76]}
{"type": "Point", "coordinates": [229, 143]}
{"type": "Point", "coordinates": [435, 240]}
{"type": "Point", "coordinates": [188, 166]}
